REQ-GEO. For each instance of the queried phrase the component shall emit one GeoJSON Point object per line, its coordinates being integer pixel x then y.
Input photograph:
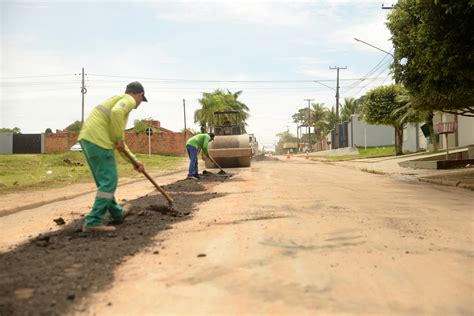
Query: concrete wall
{"type": "Point", "coordinates": [412, 132]}
{"type": "Point", "coordinates": [376, 135]}
{"type": "Point", "coordinates": [464, 134]}
{"type": "Point", "coordinates": [465, 130]}
{"type": "Point", "coordinates": [6, 143]}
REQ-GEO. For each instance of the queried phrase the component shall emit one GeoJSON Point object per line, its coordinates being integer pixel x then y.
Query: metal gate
{"type": "Point", "coordinates": [26, 143]}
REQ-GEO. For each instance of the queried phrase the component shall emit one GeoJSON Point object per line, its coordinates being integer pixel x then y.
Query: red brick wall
{"type": "Point", "coordinates": [59, 142]}
{"type": "Point", "coordinates": [161, 143]}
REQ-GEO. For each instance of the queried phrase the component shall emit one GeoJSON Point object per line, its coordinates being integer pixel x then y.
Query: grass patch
{"type": "Point", "coordinates": [43, 171]}
{"type": "Point", "coordinates": [370, 152]}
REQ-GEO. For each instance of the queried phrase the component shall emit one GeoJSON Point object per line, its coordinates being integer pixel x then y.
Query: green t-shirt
{"type": "Point", "coordinates": [200, 141]}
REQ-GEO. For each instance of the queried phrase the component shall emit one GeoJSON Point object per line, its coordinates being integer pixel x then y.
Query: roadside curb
{"type": "Point", "coordinates": [10, 211]}
{"type": "Point", "coordinates": [458, 183]}
{"type": "Point", "coordinates": [451, 183]}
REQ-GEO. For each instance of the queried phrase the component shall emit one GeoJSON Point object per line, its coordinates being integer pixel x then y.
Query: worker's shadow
{"type": "Point", "coordinates": [47, 274]}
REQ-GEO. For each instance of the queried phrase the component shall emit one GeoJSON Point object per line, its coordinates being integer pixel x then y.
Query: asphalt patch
{"type": "Point", "coordinates": [49, 273]}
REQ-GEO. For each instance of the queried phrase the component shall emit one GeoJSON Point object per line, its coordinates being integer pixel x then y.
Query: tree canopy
{"type": "Point", "coordinates": [219, 100]}
{"type": "Point", "coordinates": [74, 127]}
{"type": "Point", "coordinates": [140, 126]}
{"type": "Point", "coordinates": [350, 107]}
{"type": "Point", "coordinates": [15, 130]}
{"type": "Point", "coordinates": [434, 53]}
{"type": "Point", "coordinates": [382, 106]}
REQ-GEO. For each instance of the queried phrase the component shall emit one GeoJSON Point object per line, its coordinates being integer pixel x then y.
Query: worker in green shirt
{"type": "Point", "coordinates": [102, 132]}
{"type": "Point", "coordinates": [193, 146]}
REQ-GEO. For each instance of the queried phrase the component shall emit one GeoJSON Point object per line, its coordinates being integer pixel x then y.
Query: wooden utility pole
{"type": "Point", "coordinates": [184, 112]}
{"type": "Point", "coordinates": [309, 124]}
{"type": "Point", "coordinates": [336, 128]}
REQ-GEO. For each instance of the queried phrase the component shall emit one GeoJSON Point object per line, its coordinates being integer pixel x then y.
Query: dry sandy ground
{"type": "Point", "coordinates": [281, 238]}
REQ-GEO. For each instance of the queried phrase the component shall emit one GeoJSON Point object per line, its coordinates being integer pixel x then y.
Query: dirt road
{"type": "Point", "coordinates": [282, 238]}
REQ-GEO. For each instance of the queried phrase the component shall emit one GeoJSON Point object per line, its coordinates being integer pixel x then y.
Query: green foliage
{"type": "Point", "coordinates": [218, 100]}
{"type": "Point", "coordinates": [434, 43]}
{"type": "Point", "coordinates": [48, 130]}
{"type": "Point", "coordinates": [350, 107]}
{"type": "Point", "coordinates": [140, 126]}
{"type": "Point", "coordinates": [320, 119]}
{"type": "Point", "coordinates": [381, 106]}
{"type": "Point", "coordinates": [74, 127]}
{"type": "Point", "coordinates": [15, 130]}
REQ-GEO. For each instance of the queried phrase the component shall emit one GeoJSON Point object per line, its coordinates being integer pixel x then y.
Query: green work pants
{"type": "Point", "coordinates": [104, 169]}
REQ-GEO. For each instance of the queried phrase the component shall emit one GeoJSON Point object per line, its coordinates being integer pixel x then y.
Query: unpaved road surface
{"type": "Point", "coordinates": [289, 237]}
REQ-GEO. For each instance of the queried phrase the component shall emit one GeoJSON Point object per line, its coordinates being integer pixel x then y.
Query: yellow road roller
{"type": "Point", "coordinates": [231, 147]}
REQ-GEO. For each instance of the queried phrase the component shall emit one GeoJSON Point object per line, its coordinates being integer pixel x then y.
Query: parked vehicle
{"type": "Point", "coordinates": [76, 147]}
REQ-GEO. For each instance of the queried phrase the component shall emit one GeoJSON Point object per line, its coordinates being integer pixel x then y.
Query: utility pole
{"type": "Point", "coordinates": [309, 124]}
{"type": "Point", "coordinates": [83, 91]}
{"type": "Point", "coordinates": [184, 111]}
{"type": "Point", "coordinates": [336, 128]}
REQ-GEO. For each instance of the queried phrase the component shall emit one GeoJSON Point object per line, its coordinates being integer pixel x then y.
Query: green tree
{"type": "Point", "coordinates": [48, 130]}
{"type": "Point", "coordinates": [140, 126]}
{"type": "Point", "coordinates": [382, 107]}
{"type": "Point", "coordinates": [15, 130]}
{"type": "Point", "coordinates": [433, 41]}
{"type": "Point", "coordinates": [219, 100]}
{"type": "Point", "coordinates": [331, 118]}
{"type": "Point", "coordinates": [74, 127]}
{"type": "Point", "coordinates": [350, 107]}
{"type": "Point", "coordinates": [319, 121]}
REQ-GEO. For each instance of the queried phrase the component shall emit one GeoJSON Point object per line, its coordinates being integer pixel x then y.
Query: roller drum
{"type": "Point", "coordinates": [230, 151]}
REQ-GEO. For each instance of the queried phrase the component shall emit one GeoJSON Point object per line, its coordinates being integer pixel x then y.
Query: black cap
{"type": "Point", "coordinates": [136, 87]}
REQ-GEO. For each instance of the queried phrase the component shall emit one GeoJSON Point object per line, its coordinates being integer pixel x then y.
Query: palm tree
{"type": "Point", "coordinates": [319, 120]}
{"type": "Point", "coordinates": [220, 101]}
{"type": "Point", "coordinates": [350, 107]}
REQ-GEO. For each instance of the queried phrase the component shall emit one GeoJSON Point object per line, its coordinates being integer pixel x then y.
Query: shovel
{"type": "Point", "coordinates": [163, 192]}
{"type": "Point", "coordinates": [222, 172]}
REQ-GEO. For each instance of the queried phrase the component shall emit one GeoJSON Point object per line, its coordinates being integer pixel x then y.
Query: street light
{"type": "Point", "coordinates": [394, 61]}
{"type": "Point", "coordinates": [375, 47]}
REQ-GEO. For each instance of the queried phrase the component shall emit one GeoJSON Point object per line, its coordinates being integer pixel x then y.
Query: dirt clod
{"type": "Point", "coordinates": [201, 255]}
{"type": "Point", "coordinates": [59, 221]}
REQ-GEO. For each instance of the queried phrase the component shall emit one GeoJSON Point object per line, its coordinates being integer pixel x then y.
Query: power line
{"type": "Point", "coordinates": [43, 76]}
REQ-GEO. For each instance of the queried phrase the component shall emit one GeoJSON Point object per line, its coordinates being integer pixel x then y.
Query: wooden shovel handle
{"type": "Point", "coordinates": [212, 159]}
{"type": "Point", "coordinates": [163, 192]}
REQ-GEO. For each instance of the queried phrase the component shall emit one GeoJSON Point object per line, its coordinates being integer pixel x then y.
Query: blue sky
{"type": "Point", "coordinates": [201, 45]}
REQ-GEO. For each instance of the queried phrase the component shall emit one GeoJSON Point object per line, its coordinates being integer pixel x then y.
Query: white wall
{"type": "Point", "coordinates": [376, 135]}
{"type": "Point", "coordinates": [465, 130]}
{"type": "Point", "coordinates": [6, 143]}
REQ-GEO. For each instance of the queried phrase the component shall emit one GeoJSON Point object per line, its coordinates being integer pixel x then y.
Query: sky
{"type": "Point", "coordinates": [279, 53]}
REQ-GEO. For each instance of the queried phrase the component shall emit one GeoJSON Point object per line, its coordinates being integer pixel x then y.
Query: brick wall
{"type": "Point", "coordinates": [161, 143]}
{"type": "Point", "coordinates": [59, 142]}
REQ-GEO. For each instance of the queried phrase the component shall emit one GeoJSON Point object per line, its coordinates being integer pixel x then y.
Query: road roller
{"type": "Point", "coordinates": [231, 146]}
